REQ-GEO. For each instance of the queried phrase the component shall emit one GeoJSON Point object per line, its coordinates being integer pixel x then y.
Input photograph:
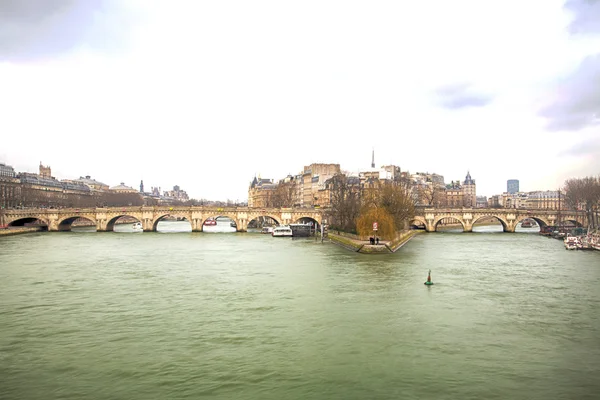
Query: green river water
{"type": "Point", "coordinates": [248, 316]}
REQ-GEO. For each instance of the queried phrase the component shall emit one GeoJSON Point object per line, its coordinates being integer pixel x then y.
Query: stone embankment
{"type": "Point", "coordinates": [19, 230]}
{"type": "Point", "coordinates": [359, 245]}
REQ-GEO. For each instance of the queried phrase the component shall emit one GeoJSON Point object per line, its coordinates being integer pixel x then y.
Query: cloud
{"type": "Point", "coordinates": [575, 102]}
{"type": "Point", "coordinates": [586, 16]}
{"type": "Point", "coordinates": [587, 148]}
{"type": "Point", "coordinates": [461, 96]}
{"type": "Point", "coordinates": [36, 29]}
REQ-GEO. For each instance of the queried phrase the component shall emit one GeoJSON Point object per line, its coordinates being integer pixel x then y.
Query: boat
{"type": "Point", "coordinates": [137, 227]}
{"type": "Point", "coordinates": [210, 222]}
{"type": "Point", "coordinates": [233, 224]}
{"type": "Point", "coordinates": [527, 223]}
{"type": "Point", "coordinates": [594, 239]}
{"type": "Point", "coordinates": [267, 229]}
{"type": "Point", "coordinates": [301, 230]}
{"type": "Point", "coordinates": [282, 231]}
{"type": "Point", "coordinates": [572, 243]}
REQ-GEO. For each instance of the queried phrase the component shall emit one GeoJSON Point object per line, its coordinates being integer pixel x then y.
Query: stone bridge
{"type": "Point", "coordinates": [149, 217]}
{"type": "Point", "coordinates": [509, 217]}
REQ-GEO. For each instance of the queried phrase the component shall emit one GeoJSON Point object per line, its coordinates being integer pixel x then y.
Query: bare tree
{"type": "Point", "coordinates": [345, 203]}
{"type": "Point", "coordinates": [584, 192]}
{"type": "Point", "coordinates": [112, 199]}
{"type": "Point", "coordinates": [431, 196]}
{"type": "Point", "coordinates": [396, 198]}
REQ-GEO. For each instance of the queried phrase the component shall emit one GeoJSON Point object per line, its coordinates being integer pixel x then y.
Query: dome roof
{"type": "Point", "coordinates": [122, 187]}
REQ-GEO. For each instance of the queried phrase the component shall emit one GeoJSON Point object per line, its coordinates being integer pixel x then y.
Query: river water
{"type": "Point", "coordinates": [247, 316]}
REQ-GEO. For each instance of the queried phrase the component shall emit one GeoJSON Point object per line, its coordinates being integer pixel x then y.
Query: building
{"type": "Point", "coordinates": [10, 189]}
{"type": "Point", "coordinates": [469, 192]}
{"type": "Point", "coordinates": [175, 194]}
{"type": "Point", "coordinates": [454, 195]}
{"type": "Point", "coordinates": [45, 171]}
{"type": "Point", "coordinates": [7, 171]}
{"type": "Point", "coordinates": [546, 200]}
{"type": "Point", "coordinates": [482, 202]}
{"type": "Point", "coordinates": [260, 192]}
{"type": "Point", "coordinates": [496, 201]}
{"type": "Point", "coordinates": [515, 200]}
{"type": "Point", "coordinates": [313, 179]}
{"type": "Point", "coordinates": [306, 189]}
{"type": "Point", "coordinates": [122, 188]}
{"type": "Point", "coordinates": [93, 184]}
{"type": "Point", "coordinates": [512, 186]}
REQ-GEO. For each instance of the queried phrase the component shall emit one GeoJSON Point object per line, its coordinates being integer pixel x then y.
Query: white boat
{"type": "Point", "coordinates": [267, 229]}
{"type": "Point", "coordinates": [137, 227]}
{"type": "Point", "coordinates": [282, 231]}
{"type": "Point", "coordinates": [572, 243]}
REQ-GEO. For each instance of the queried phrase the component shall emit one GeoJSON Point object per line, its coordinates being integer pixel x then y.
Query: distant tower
{"type": "Point", "coordinates": [142, 186]}
{"type": "Point", "coordinates": [469, 191]}
{"type": "Point", "coordinates": [512, 186]}
{"type": "Point", "coordinates": [45, 172]}
{"type": "Point", "coordinates": [373, 159]}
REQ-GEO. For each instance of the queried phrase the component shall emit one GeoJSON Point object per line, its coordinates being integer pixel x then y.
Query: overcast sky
{"type": "Point", "coordinates": [206, 94]}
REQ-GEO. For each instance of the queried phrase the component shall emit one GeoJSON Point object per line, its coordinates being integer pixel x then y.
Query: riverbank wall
{"type": "Point", "coordinates": [19, 231]}
{"type": "Point", "coordinates": [356, 244]}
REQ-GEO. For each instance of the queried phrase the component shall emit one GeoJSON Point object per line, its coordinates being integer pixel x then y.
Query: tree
{"type": "Point", "coordinates": [396, 198]}
{"type": "Point", "coordinates": [585, 192]}
{"type": "Point", "coordinates": [431, 195]}
{"type": "Point", "coordinates": [283, 195]}
{"type": "Point", "coordinates": [393, 196]}
{"type": "Point", "coordinates": [112, 199]}
{"type": "Point", "coordinates": [345, 203]}
{"type": "Point", "coordinates": [386, 226]}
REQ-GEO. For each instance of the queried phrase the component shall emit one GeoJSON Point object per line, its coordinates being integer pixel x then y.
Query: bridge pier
{"type": "Point", "coordinates": [509, 227]}
{"type": "Point", "coordinates": [242, 225]}
{"type": "Point", "coordinates": [197, 224]}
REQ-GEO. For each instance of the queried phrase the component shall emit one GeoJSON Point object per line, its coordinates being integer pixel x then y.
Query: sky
{"type": "Point", "coordinates": [208, 94]}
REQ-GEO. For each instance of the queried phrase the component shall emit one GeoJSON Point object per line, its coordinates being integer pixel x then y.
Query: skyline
{"type": "Point", "coordinates": [196, 94]}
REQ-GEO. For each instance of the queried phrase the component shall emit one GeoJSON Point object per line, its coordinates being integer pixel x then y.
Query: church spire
{"type": "Point", "coordinates": [373, 158]}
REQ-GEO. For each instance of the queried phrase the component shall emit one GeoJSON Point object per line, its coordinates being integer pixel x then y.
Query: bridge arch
{"type": "Point", "coordinates": [110, 225]}
{"type": "Point", "coordinates": [66, 223]}
{"type": "Point", "coordinates": [541, 221]}
{"type": "Point", "coordinates": [306, 219]}
{"type": "Point", "coordinates": [503, 222]}
{"type": "Point", "coordinates": [30, 221]}
{"type": "Point", "coordinates": [186, 217]}
{"type": "Point", "coordinates": [458, 219]}
{"type": "Point", "coordinates": [222, 215]}
{"type": "Point", "coordinates": [574, 221]}
{"type": "Point", "coordinates": [418, 220]}
{"type": "Point", "coordinates": [277, 218]}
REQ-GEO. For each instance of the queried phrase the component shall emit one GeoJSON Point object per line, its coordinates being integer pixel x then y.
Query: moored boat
{"type": "Point", "coordinates": [267, 229]}
{"type": "Point", "coordinates": [301, 230]}
{"type": "Point", "coordinates": [282, 231]}
{"type": "Point", "coordinates": [137, 227]}
{"type": "Point", "coordinates": [572, 243]}
{"type": "Point", "coordinates": [210, 222]}
{"type": "Point", "coordinates": [528, 223]}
